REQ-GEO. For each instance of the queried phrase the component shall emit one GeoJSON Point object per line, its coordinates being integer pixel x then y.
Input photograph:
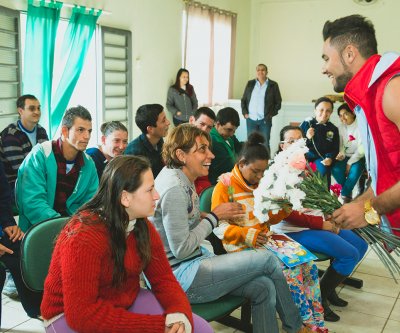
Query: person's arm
{"type": "Point", "coordinates": [6, 215]}
{"type": "Point", "coordinates": [171, 101]}
{"type": "Point", "coordinates": [195, 103]}
{"type": "Point", "coordinates": [163, 283]}
{"type": "Point", "coordinates": [82, 263]}
{"type": "Point", "coordinates": [305, 220]}
{"type": "Point", "coordinates": [31, 189]}
{"type": "Point", "coordinates": [388, 201]}
{"type": "Point", "coordinates": [182, 240]}
{"type": "Point", "coordinates": [12, 151]}
{"type": "Point", "coordinates": [278, 99]}
{"type": "Point", "coordinates": [245, 101]}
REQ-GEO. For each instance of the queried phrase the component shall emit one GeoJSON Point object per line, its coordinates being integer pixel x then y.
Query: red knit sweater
{"type": "Point", "coordinates": [79, 282]}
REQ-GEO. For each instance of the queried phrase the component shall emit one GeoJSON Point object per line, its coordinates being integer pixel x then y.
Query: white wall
{"type": "Point", "coordinates": [287, 36]}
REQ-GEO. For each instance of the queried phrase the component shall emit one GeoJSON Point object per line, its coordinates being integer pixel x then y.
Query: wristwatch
{"type": "Point", "coordinates": [370, 214]}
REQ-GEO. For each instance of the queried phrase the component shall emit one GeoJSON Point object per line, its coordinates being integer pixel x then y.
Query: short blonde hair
{"type": "Point", "coordinates": [182, 137]}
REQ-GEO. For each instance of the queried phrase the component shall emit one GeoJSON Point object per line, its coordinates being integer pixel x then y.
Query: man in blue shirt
{"type": "Point", "coordinates": [260, 102]}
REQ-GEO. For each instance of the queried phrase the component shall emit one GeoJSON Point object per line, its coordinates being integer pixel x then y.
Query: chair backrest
{"type": "Point", "coordinates": [205, 199]}
{"type": "Point", "coordinates": [36, 250]}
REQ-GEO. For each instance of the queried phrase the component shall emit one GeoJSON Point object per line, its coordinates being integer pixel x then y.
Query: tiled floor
{"type": "Point", "coordinates": [373, 309]}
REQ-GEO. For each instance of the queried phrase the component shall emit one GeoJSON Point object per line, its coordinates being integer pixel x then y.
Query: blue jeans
{"type": "Point", "coordinates": [262, 126]}
{"type": "Point", "coordinates": [346, 248]}
{"type": "Point", "coordinates": [256, 275]}
{"type": "Point", "coordinates": [348, 183]}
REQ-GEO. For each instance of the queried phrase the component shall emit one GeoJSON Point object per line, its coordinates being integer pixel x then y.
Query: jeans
{"type": "Point", "coordinates": [348, 183]}
{"type": "Point", "coordinates": [145, 303]}
{"type": "Point", "coordinates": [346, 248]}
{"type": "Point", "coordinates": [256, 275]}
{"type": "Point", "coordinates": [30, 300]}
{"type": "Point", "coordinates": [262, 126]}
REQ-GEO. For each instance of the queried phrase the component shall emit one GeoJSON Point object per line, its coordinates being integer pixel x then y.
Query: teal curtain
{"type": "Point", "coordinates": [41, 29]}
{"type": "Point", "coordinates": [75, 46]}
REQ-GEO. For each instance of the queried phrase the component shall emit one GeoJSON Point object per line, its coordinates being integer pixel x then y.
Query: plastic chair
{"type": "Point", "coordinates": [36, 250]}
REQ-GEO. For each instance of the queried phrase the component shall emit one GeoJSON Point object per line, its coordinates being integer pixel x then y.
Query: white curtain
{"type": "Point", "coordinates": [209, 49]}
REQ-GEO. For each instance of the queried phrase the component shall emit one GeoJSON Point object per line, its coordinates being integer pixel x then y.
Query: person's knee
{"type": "Point", "coordinates": [260, 289]}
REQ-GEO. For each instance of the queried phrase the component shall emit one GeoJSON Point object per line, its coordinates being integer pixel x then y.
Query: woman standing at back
{"type": "Point", "coordinates": [181, 99]}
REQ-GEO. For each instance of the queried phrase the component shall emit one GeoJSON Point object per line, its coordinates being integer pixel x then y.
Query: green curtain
{"type": "Point", "coordinates": [41, 29]}
{"type": "Point", "coordinates": [75, 45]}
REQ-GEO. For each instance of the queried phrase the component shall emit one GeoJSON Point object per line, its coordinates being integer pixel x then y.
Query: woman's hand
{"type": "Point", "coordinates": [229, 210]}
{"type": "Point", "coordinates": [178, 113]}
{"type": "Point", "coordinates": [262, 239]}
{"type": "Point", "coordinates": [340, 156]}
{"type": "Point", "coordinates": [310, 133]}
{"type": "Point", "coordinates": [327, 161]}
{"type": "Point", "coordinates": [329, 226]}
{"type": "Point", "coordinates": [175, 328]}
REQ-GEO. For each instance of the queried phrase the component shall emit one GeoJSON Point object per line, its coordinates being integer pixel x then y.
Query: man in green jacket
{"type": "Point", "coordinates": [57, 177]}
{"type": "Point", "coordinates": [225, 145]}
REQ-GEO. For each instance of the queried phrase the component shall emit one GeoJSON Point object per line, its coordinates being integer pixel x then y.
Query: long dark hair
{"type": "Point", "coordinates": [121, 173]}
{"type": "Point", "coordinates": [177, 84]}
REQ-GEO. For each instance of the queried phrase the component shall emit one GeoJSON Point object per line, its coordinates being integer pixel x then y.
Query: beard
{"type": "Point", "coordinates": [341, 82]}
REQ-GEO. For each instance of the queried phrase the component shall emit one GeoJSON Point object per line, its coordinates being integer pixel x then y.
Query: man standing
{"type": "Point", "coordinates": [153, 122]}
{"type": "Point", "coordinates": [17, 139]}
{"type": "Point", "coordinates": [372, 89]}
{"type": "Point", "coordinates": [260, 102]}
{"type": "Point", "coordinates": [57, 177]}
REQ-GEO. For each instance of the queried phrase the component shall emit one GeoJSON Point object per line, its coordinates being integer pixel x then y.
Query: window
{"type": "Point", "coordinates": [209, 41]}
{"type": "Point", "coordinates": [117, 73]}
{"type": "Point", "coordinates": [104, 86]}
{"type": "Point", "coordinates": [10, 74]}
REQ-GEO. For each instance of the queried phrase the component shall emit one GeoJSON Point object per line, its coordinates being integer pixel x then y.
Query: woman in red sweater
{"type": "Point", "coordinates": [93, 279]}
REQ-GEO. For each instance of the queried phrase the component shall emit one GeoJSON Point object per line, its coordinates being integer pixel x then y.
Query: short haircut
{"type": "Point", "coordinates": [206, 111]}
{"type": "Point", "coordinates": [21, 100]}
{"type": "Point", "coordinates": [181, 137]}
{"type": "Point", "coordinates": [265, 66]}
{"type": "Point", "coordinates": [147, 115]}
{"type": "Point", "coordinates": [75, 112]}
{"type": "Point", "coordinates": [112, 126]}
{"type": "Point", "coordinates": [228, 115]}
{"type": "Point", "coordinates": [354, 29]}
{"type": "Point", "coordinates": [346, 107]}
{"type": "Point", "coordinates": [323, 99]}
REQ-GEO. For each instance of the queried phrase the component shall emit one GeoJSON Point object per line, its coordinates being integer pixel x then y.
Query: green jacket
{"type": "Point", "coordinates": [36, 186]}
{"type": "Point", "coordinates": [225, 152]}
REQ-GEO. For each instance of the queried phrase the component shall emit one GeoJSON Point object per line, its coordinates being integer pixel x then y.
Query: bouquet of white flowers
{"type": "Point", "coordinates": [289, 183]}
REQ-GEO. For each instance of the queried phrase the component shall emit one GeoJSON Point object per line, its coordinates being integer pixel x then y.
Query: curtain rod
{"type": "Point", "coordinates": [69, 5]}
{"type": "Point", "coordinates": [204, 6]}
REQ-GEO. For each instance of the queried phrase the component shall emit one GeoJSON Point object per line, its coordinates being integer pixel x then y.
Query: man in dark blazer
{"type": "Point", "coordinates": [260, 102]}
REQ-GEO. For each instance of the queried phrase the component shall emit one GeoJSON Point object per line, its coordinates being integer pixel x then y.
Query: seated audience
{"type": "Point", "coordinates": [321, 235]}
{"type": "Point", "coordinates": [153, 122]}
{"type": "Point", "coordinates": [322, 137]}
{"type": "Point", "coordinates": [350, 162]}
{"type": "Point", "coordinates": [251, 233]}
{"type": "Point", "coordinates": [225, 146]}
{"type": "Point", "coordinates": [114, 139]}
{"type": "Point", "coordinates": [204, 119]}
{"type": "Point", "coordinates": [17, 139]}
{"type": "Point", "coordinates": [93, 280]}
{"type": "Point", "coordinates": [57, 177]}
{"type": "Point", "coordinates": [10, 241]}
{"type": "Point", "coordinates": [203, 276]}
{"type": "Point", "coordinates": [181, 98]}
